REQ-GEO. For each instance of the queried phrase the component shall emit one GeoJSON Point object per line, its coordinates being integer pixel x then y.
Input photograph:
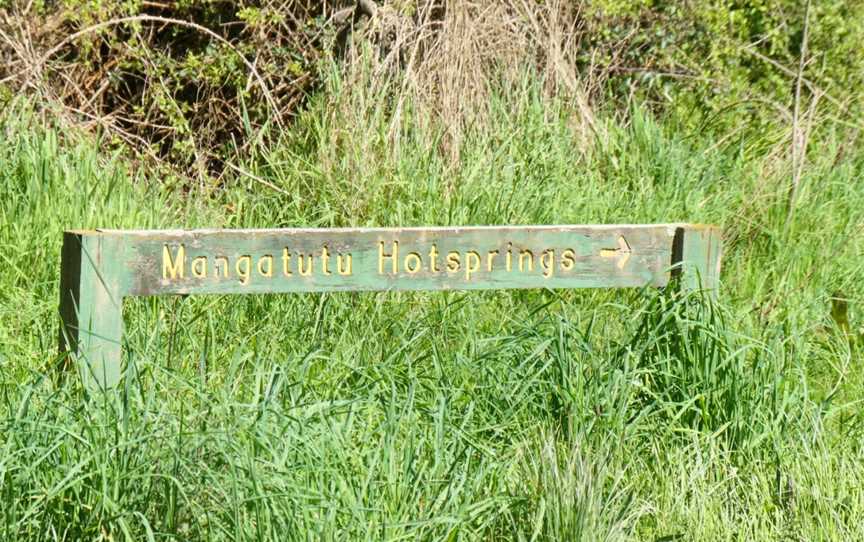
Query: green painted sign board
{"type": "Point", "coordinates": [100, 268]}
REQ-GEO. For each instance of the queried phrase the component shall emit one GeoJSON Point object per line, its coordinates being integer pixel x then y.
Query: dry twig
{"type": "Point", "coordinates": [799, 136]}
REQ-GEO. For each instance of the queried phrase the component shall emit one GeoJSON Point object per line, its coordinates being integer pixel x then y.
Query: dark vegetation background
{"type": "Point", "coordinates": [192, 82]}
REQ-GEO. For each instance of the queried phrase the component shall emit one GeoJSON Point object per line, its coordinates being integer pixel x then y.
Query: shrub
{"type": "Point", "coordinates": [193, 81]}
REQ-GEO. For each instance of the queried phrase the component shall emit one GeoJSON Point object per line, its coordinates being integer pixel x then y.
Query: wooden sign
{"type": "Point", "coordinates": [100, 268]}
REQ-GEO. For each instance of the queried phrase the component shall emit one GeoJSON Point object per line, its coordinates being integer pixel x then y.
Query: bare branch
{"type": "Point", "coordinates": [368, 7]}
{"type": "Point", "coordinates": [165, 20]}
{"type": "Point", "coordinates": [799, 136]}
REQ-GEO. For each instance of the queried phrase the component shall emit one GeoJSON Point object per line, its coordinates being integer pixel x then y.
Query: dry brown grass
{"type": "Point", "coordinates": [127, 73]}
{"type": "Point", "coordinates": [445, 64]}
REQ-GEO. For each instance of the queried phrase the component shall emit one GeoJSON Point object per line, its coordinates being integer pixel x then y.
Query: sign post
{"type": "Point", "coordinates": [102, 267]}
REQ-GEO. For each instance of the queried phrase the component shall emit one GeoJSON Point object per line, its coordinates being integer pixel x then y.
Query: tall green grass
{"type": "Point", "coordinates": [567, 415]}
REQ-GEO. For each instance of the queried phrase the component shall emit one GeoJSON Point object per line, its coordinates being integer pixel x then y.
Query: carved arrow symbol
{"type": "Point", "coordinates": [622, 252]}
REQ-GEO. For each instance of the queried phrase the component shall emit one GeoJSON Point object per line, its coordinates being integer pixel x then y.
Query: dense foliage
{"type": "Point", "coordinates": [720, 52]}
{"type": "Point", "coordinates": [193, 80]}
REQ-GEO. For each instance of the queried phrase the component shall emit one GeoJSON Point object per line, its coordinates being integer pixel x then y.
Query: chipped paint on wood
{"type": "Point", "coordinates": [102, 267]}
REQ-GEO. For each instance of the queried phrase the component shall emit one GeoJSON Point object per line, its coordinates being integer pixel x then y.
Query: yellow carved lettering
{"type": "Point", "coordinates": [286, 263]}
{"type": "Point", "coordinates": [199, 267]}
{"type": "Point", "coordinates": [547, 260]}
{"type": "Point", "coordinates": [243, 267]}
{"type": "Point", "coordinates": [343, 270]}
{"type": "Point", "coordinates": [509, 257]}
{"type": "Point", "coordinates": [325, 260]}
{"type": "Point", "coordinates": [394, 257]}
{"type": "Point", "coordinates": [526, 255]}
{"type": "Point", "coordinates": [265, 266]}
{"type": "Point", "coordinates": [220, 260]}
{"type": "Point", "coordinates": [304, 270]}
{"type": "Point", "coordinates": [453, 262]}
{"type": "Point", "coordinates": [568, 260]}
{"type": "Point", "coordinates": [472, 263]}
{"type": "Point", "coordinates": [433, 258]}
{"type": "Point", "coordinates": [173, 268]}
{"type": "Point", "coordinates": [490, 257]}
{"type": "Point", "coordinates": [413, 263]}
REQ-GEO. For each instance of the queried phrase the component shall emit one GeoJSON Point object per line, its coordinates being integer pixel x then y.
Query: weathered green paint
{"type": "Point", "coordinates": [91, 298]}
{"type": "Point", "coordinates": [102, 267]}
{"type": "Point", "coordinates": [697, 253]}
